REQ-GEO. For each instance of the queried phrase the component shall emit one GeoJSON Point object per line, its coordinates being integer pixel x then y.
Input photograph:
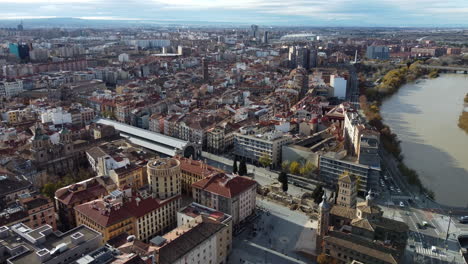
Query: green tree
{"type": "Point", "coordinates": [242, 168]}
{"type": "Point", "coordinates": [307, 168]}
{"type": "Point", "coordinates": [234, 166]}
{"type": "Point", "coordinates": [285, 165]}
{"type": "Point", "coordinates": [49, 189]}
{"type": "Point", "coordinates": [265, 160]}
{"type": "Point", "coordinates": [294, 167]}
{"type": "Point", "coordinates": [284, 185]}
{"type": "Point", "coordinates": [283, 179]}
{"type": "Point", "coordinates": [317, 194]}
{"type": "Point", "coordinates": [283, 176]}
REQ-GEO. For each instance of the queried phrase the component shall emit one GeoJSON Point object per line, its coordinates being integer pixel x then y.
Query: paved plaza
{"type": "Point", "coordinates": [272, 237]}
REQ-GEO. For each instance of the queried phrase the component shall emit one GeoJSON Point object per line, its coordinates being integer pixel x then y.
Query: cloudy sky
{"type": "Point", "coordinates": [279, 12]}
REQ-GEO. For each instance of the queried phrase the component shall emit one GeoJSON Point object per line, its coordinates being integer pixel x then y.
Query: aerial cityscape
{"type": "Point", "coordinates": [233, 132]}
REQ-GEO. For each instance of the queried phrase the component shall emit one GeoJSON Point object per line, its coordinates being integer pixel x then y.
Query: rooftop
{"type": "Point", "coordinates": [182, 240]}
{"type": "Point", "coordinates": [362, 246]}
{"type": "Point", "coordinates": [41, 239]}
{"type": "Point", "coordinates": [225, 185]}
{"type": "Point", "coordinates": [194, 210]}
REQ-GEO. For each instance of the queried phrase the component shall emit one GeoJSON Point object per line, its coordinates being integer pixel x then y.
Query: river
{"type": "Point", "coordinates": [424, 115]}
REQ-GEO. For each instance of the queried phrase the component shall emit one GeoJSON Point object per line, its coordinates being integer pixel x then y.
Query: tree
{"type": "Point", "coordinates": [317, 194]}
{"type": "Point", "coordinates": [285, 165]}
{"type": "Point", "coordinates": [284, 185]}
{"type": "Point", "coordinates": [325, 259]}
{"type": "Point", "coordinates": [265, 160]}
{"type": "Point", "coordinates": [294, 167]}
{"type": "Point", "coordinates": [234, 166]}
{"type": "Point", "coordinates": [49, 189]}
{"type": "Point", "coordinates": [282, 177]}
{"type": "Point", "coordinates": [307, 168]}
{"type": "Point", "coordinates": [242, 168]}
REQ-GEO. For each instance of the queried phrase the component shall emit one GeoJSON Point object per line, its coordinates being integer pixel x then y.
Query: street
{"type": "Point", "coordinates": [422, 238]}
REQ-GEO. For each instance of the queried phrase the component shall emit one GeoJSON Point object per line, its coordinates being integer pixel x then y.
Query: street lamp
{"type": "Point", "coordinates": [448, 228]}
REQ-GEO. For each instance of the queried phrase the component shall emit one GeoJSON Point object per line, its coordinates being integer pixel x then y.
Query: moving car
{"type": "Point", "coordinates": [463, 220]}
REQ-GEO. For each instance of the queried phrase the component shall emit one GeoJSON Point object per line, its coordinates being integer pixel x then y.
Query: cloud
{"type": "Point", "coordinates": [347, 12]}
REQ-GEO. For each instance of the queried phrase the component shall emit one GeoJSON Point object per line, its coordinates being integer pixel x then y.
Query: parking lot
{"type": "Point", "coordinates": [271, 237]}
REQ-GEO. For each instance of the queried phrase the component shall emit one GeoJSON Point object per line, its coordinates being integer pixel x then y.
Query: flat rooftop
{"type": "Point", "coordinates": [52, 241]}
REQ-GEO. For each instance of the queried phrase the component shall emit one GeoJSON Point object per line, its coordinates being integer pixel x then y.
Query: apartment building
{"type": "Point", "coordinates": [31, 210]}
{"type": "Point", "coordinates": [121, 212]}
{"type": "Point", "coordinates": [202, 240]}
{"type": "Point", "coordinates": [230, 194]}
{"type": "Point", "coordinates": [20, 244]}
{"type": "Point", "coordinates": [251, 146]}
{"type": "Point", "coordinates": [68, 197]}
{"type": "Point", "coordinates": [11, 89]}
{"type": "Point", "coordinates": [131, 175]}
{"type": "Point", "coordinates": [193, 171]}
{"type": "Point", "coordinates": [334, 164]}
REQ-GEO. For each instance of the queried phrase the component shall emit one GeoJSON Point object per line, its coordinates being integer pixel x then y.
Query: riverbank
{"type": "Point", "coordinates": [370, 104]}
{"type": "Point", "coordinates": [463, 119]}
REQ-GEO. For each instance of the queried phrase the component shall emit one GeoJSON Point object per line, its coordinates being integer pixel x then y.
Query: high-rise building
{"type": "Point", "coordinates": [339, 85]}
{"type": "Point", "coordinates": [313, 58]}
{"type": "Point", "coordinates": [302, 57]}
{"type": "Point", "coordinates": [254, 31]}
{"type": "Point", "coordinates": [265, 37]}
{"type": "Point", "coordinates": [378, 53]}
{"type": "Point", "coordinates": [164, 177]}
{"type": "Point", "coordinates": [20, 26]}
{"type": "Point", "coordinates": [205, 69]}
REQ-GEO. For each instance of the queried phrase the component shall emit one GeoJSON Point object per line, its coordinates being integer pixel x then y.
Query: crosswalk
{"type": "Point", "coordinates": [428, 252]}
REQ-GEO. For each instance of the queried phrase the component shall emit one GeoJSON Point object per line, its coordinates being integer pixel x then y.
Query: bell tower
{"type": "Point", "coordinates": [323, 223]}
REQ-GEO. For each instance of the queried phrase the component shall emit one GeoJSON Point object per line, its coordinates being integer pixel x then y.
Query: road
{"type": "Point", "coordinates": [422, 239]}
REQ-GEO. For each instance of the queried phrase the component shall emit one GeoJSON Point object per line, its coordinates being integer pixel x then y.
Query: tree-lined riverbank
{"type": "Point", "coordinates": [463, 119]}
{"type": "Point", "coordinates": [370, 104]}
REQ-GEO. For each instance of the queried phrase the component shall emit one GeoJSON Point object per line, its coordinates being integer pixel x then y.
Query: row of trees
{"type": "Point", "coordinates": [463, 119]}
{"type": "Point", "coordinates": [302, 167]}
{"type": "Point", "coordinates": [242, 170]}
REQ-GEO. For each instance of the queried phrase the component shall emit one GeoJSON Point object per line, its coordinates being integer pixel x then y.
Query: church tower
{"type": "Point", "coordinates": [323, 223]}
{"type": "Point", "coordinates": [347, 191]}
{"type": "Point", "coordinates": [66, 141]}
{"type": "Point", "coordinates": [39, 145]}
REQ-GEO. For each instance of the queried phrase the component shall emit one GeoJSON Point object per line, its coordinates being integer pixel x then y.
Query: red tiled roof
{"type": "Point", "coordinates": [224, 185]}
{"type": "Point", "coordinates": [92, 191]}
{"type": "Point", "coordinates": [196, 167]}
{"type": "Point", "coordinates": [94, 210]}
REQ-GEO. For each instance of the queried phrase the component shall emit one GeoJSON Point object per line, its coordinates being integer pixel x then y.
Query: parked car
{"type": "Point", "coordinates": [402, 204]}
{"type": "Point", "coordinates": [463, 220]}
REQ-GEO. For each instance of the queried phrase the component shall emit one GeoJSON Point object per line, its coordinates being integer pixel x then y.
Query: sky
{"type": "Point", "coordinates": [263, 12]}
